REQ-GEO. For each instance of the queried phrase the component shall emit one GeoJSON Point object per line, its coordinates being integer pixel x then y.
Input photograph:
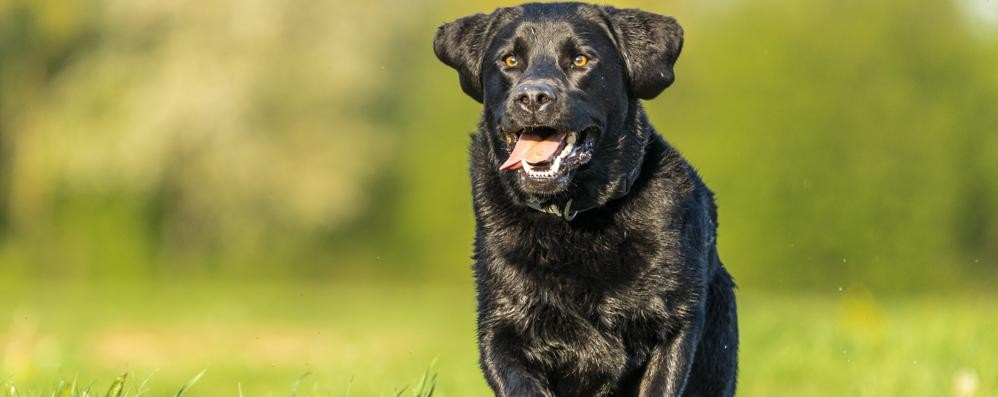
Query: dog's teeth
{"type": "Point", "coordinates": [557, 164]}
{"type": "Point", "coordinates": [566, 151]}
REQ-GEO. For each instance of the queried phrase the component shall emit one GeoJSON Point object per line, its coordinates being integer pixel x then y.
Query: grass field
{"type": "Point", "coordinates": [375, 339]}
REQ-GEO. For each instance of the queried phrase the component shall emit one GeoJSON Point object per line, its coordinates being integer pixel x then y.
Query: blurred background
{"type": "Point", "coordinates": [266, 189]}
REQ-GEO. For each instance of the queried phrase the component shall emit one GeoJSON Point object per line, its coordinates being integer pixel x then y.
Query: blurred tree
{"type": "Point", "coordinates": [847, 142]}
{"type": "Point", "coordinates": [224, 127]}
{"type": "Point", "coordinates": [839, 159]}
{"type": "Point", "coordinates": [38, 39]}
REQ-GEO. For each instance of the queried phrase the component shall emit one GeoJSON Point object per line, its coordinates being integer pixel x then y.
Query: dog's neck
{"type": "Point", "coordinates": [568, 209]}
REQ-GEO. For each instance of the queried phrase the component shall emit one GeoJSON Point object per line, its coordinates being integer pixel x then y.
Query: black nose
{"type": "Point", "coordinates": [535, 97]}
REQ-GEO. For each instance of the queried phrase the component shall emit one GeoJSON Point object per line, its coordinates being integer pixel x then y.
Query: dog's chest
{"type": "Point", "coordinates": [589, 340]}
{"type": "Point", "coordinates": [581, 303]}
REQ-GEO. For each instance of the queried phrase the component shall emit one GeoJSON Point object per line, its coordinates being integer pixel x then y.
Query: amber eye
{"type": "Point", "coordinates": [511, 61]}
{"type": "Point", "coordinates": [580, 61]}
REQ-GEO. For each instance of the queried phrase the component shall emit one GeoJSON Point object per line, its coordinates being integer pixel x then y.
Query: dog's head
{"type": "Point", "coordinates": [560, 84]}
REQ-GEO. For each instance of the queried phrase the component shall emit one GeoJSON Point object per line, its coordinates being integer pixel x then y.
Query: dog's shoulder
{"type": "Point", "coordinates": [668, 185]}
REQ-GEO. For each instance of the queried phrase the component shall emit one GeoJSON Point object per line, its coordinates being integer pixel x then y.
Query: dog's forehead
{"type": "Point", "coordinates": [544, 32]}
{"type": "Point", "coordinates": [549, 32]}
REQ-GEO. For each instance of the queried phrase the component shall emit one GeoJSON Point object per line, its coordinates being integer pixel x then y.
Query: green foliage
{"type": "Point", "coordinates": [849, 153]}
{"type": "Point", "coordinates": [846, 142]}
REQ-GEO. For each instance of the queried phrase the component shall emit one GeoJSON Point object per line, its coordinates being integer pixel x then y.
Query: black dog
{"type": "Point", "coordinates": [595, 254]}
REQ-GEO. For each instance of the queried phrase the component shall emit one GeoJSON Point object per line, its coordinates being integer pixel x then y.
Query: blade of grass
{"type": "Point", "coordinates": [433, 386]}
{"type": "Point", "coordinates": [142, 389]}
{"type": "Point", "coordinates": [349, 386]}
{"type": "Point", "coordinates": [57, 390]}
{"type": "Point", "coordinates": [196, 378]}
{"type": "Point", "coordinates": [427, 383]}
{"type": "Point", "coordinates": [117, 386]}
{"type": "Point", "coordinates": [70, 389]}
{"type": "Point", "coordinates": [294, 388]}
{"type": "Point", "coordinates": [87, 392]}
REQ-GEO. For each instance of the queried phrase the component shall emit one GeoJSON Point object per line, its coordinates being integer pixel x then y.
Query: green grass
{"type": "Point", "coordinates": [119, 388]}
{"type": "Point", "coordinates": [362, 339]}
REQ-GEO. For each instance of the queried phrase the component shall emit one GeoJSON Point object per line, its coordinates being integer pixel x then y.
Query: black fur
{"type": "Point", "coordinates": [629, 298]}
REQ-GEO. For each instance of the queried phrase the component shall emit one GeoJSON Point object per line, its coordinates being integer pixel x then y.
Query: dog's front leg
{"type": "Point", "coordinates": [670, 363]}
{"type": "Point", "coordinates": [507, 376]}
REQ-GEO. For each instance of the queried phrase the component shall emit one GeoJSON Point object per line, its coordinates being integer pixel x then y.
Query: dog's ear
{"type": "Point", "coordinates": [650, 44]}
{"type": "Point", "coordinates": [461, 44]}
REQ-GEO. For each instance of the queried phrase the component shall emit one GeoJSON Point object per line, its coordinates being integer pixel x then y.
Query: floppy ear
{"type": "Point", "coordinates": [461, 45]}
{"type": "Point", "coordinates": [650, 44]}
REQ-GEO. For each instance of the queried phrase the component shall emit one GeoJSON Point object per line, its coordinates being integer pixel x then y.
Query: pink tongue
{"type": "Point", "coordinates": [533, 149]}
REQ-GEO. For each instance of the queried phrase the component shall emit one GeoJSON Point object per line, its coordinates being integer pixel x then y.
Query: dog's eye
{"type": "Point", "coordinates": [580, 61]}
{"type": "Point", "coordinates": [511, 61]}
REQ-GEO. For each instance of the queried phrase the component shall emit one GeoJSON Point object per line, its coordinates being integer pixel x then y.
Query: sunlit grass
{"type": "Point", "coordinates": [120, 388]}
{"type": "Point", "coordinates": [357, 339]}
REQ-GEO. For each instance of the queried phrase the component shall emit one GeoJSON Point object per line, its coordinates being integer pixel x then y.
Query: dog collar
{"type": "Point", "coordinates": [568, 214]}
{"type": "Point", "coordinates": [571, 208]}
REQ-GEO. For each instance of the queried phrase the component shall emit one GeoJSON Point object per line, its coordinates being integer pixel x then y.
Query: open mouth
{"type": "Point", "coordinates": [541, 153]}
